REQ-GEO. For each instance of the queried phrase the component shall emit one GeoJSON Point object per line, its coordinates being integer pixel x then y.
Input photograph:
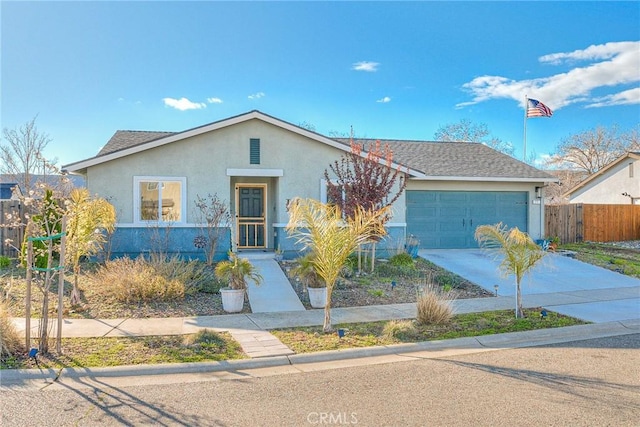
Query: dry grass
{"type": "Point", "coordinates": [434, 306]}
{"type": "Point", "coordinates": [399, 329]}
{"type": "Point", "coordinates": [137, 280]}
{"type": "Point", "coordinates": [10, 340]}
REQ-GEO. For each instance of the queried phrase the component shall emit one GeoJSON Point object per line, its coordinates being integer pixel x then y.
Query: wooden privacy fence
{"type": "Point", "coordinates": [594, 223]}
{"type": "Point", "coordinates": [16, 234]}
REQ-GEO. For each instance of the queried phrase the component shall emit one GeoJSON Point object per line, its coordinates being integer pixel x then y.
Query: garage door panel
{"type": "Point", "coordinates": [448, 219]}
{"type": "Point", "coordinates": [448, 197]}
{"type": "Point", "coordinates": [453, 211]}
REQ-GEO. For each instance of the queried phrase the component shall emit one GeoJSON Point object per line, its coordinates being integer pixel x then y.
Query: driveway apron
{"type": "Point", "coordinates": [599, 295]}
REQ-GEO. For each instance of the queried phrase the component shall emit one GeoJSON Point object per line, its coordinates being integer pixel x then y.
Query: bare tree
{"type": "Point", "coordinates": [22, 153]}
{"type": "Point", "coordinates": [593, 149]}
{"type": "Point", "coordinates": [467, 131]}
{"type": "Point", "coordinates": [567, 179]}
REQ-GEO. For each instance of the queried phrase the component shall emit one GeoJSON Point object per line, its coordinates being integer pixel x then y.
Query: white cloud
{"type": "Point", "coordinates": [257, 95]}
{"type": "Point", "coordinates": [368, 66]}
{"type": "Point", "coordinates": [384, 100]}
{"type": "Point", "coordinates": [609, 65]}
{"type": "Point", "coordinates": [214, 100]}
{"type": "Point", "coordinates": [183, 104]}
{"type": "Point", "coordinates": [631, 96]}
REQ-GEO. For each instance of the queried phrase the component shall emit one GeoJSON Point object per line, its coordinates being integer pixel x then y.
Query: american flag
{"type": "Point", "coordinates": [536, 108]}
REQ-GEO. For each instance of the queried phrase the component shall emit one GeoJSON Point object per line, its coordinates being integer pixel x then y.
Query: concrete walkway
{"type": "Point", "coordinates": [275, 294]}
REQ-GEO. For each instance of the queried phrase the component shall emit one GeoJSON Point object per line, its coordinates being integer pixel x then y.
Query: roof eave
{"type": "Point", "coordinates": [584, 182]}
{"type": "Point", "coordinates": [482, 179]}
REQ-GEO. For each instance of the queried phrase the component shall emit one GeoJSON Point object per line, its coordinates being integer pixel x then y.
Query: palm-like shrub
{"type": "Point", "coordinates": [322, 229]}
{"type": "Point", "coordinates": [236, 271]}
{"type": "Point", "coordinates": [305, 270]}
{"type": "Point", "coordinates": [518, 253]}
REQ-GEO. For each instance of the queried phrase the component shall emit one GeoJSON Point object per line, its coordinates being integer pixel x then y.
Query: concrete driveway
{"type": "Point", "coordinates": [574, 288]}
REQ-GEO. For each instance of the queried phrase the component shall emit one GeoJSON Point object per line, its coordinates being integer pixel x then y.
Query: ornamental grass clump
{"type": "Point", "coordinates": [434, 306]}
{"type": "Point", "coordinates": [137, 281]}
{"type": "Point", "coordinates": [10, 341]}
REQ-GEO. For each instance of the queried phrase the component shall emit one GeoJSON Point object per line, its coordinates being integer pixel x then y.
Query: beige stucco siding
{"type": "Point", "coordinates": [204, 160]}
{"type": "Point", "coordinates": [608, 188]}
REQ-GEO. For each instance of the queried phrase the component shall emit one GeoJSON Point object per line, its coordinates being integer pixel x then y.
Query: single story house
{"type": "Point", "coordinates": [618, 183]}
{"type": "Point", "coordinates": [258, 163]}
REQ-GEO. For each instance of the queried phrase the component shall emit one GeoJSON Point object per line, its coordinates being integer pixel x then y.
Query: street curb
{"type": "Point", "coordinates": [479, 343]}
{"type": "Point", "coordinates": [134, 370]}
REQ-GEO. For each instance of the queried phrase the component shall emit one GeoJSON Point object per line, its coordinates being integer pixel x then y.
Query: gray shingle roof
{"type": "Point", "coordinates": [458, 159]}
{"type": "Point", "coordinates": [129, 138]}
{"type": "Point", "coordinates": [434, 159]}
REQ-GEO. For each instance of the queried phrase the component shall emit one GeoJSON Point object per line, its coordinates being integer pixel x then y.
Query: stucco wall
{"type": "Point", "coordinates": [204, 160]}
{"type": "Point", "coordinates": [608, 188]}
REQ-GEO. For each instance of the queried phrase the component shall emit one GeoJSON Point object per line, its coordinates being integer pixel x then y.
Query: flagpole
{"type": "Point", "coordinates": [526, 103]}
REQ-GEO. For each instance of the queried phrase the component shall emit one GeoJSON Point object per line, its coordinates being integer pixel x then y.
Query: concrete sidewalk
{"type": "Point", "coordinates": [313, 362]}
{"type": "Point", "coordinates": [251, 329]}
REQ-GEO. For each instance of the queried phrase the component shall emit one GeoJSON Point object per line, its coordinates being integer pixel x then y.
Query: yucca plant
{"type": "Point", "coordinates": [236, 271]}
{"type": "Point", "coordinates": [516, 249]}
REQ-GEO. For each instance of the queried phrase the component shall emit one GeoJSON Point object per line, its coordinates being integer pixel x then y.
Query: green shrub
{"type": "Point", "coordinates": [389, 270]}
{"type": "Point", "coordinates": [376, 293]}
{"type": "Point", "coordinates": [403, 330]}
{"type": "Point", "coordinates": [433, 306]}
{"type": "Point", "coordinates": [5, 262]}
{"type": "Point", "coordinates": [402, 260]}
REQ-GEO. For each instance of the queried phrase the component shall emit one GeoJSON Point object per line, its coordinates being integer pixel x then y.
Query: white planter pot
{"type": "Point", "coordinates": [317, 297]}
{"type": "Point", "coordinates": [232, 299]}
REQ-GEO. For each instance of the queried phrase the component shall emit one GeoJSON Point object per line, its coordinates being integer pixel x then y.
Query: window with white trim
{"type": "Point", "coordinates": [324, 193]}
{"type": "Point", "coordinates": [159, 199]}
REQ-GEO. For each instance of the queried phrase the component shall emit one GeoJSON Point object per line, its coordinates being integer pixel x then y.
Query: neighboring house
{"type": "Point", "coordinates": [51, 180]}
{"type": "Point", "coordinates": [616, 183]}
{"type": "Point", "coordinates": [259, 163]}
{"type": "Point", "coordinates": [7, 191]}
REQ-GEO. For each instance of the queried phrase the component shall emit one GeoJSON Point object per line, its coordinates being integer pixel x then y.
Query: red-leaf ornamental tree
{"type": "Point", "coordinates": [366, 181]}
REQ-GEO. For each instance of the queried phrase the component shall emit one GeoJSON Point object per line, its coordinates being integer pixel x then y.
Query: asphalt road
{"type": "Point", "coordinates": [584, 383]}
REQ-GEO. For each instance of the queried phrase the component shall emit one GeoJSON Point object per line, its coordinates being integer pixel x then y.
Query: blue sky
{"type": "Point", "coordinates": [389, 69]}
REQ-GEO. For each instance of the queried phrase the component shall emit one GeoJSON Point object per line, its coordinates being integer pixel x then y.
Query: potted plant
{"type": "Point", "coordinates": [412, 245]}
{"type": "Point", "coordinates": [554, 242]}
{"type": "Point", "coordinates": [236, 271]}
{"type": "Point", "coordinates": [306, 272]}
